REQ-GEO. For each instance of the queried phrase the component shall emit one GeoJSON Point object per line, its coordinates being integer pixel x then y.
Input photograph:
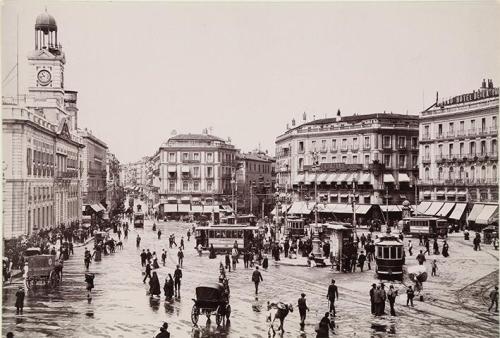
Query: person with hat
{"type": "Point", "coordinates": [332, 295]}
{"type": "Point", "coordinates": [372, 299]}
{"type": "Point", "coordinates": [163, 331]}
{"type": "Point", "coordinates": [302, 308]}
{"type": "Point", "coordinates": [361, 260]}
{"type": "Point", "coordinates": [257, 278]}
{"type": "Point", "coordinates": [384, 298]}
{"type": "Point", "coordinates": [20, 300]}
{"type": "Point", "coordinates": [391, 296]}
{"type": "Point", "coordinates": [177, 281]}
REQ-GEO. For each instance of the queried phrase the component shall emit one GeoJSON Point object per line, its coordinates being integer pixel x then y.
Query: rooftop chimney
{"type": "Point", "coordinates": [304, 117]}
{"type": "Point", "coordinates": [437, 97]}
{"type": "Point", "coordinates": [483, 84]}
{"type": "Point", "coordinates": [293, 122]}
{"type": "Point", "coordinates": [490, 84]}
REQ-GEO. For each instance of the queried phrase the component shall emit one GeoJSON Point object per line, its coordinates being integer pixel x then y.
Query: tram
{"type": "Point", "coordinates": [390, 257]}
{"type": "Point", "coordinates": [223, 236]}
{"type": "Point", "coordinates": [426, 226]}
{"type": "Point", "coordinates": [295, 227]}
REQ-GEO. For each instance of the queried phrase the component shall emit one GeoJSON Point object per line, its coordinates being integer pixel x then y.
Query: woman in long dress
{"type": "Point", "coordinates": [168, 288]}
{"type": "Point", "coordinates": [212, 252]}
{"type": "Point", "coordinates": [154, 285]}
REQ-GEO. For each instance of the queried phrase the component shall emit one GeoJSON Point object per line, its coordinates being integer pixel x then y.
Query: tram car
{"type": "Point", "coordinates": [295, 227]}
{"type": "Point", "coordinates": [431, 227]}
{"type": "Point", "coordinates": [42, 269]}
{"type": "Point", "coordinates": [389, 257]}
{"type": "Point", "coordinates": [223, 236]}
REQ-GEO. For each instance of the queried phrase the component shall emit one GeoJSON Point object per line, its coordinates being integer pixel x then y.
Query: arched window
{"type": "Point", "coordinates": [440, 173]}
{"type": "Point", "coordinates": [494, 147]}
{"type": "Point", "coordinates": [483, 148]}
{"type": "Point", "coordinates": [483, 172]}
{"type": "Point", "coordinates": [472, 173]}
{"type": "Point", "coordinates": [450, 174]}
{"type": "Point", "coordinates": [494, 173]}
{"type": "Point", "coordinates": [472, 148]}
{"type": "Point", "coordinates": [426, 174]}
{"type": "Point", "coordinates": [461, 173]}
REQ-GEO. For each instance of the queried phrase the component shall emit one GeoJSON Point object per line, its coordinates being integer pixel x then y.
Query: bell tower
{"type": "Point", "coordinates": [47, 63]}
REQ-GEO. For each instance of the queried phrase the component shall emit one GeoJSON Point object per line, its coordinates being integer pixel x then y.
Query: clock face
{"type": "Point", "coordinates": [44, 77]}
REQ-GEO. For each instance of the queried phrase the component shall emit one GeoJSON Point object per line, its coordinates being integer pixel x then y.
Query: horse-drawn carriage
{"type": "Point", "coordinates": [43, 268]}
{"type": "Point", "coordinates": [211, 299]}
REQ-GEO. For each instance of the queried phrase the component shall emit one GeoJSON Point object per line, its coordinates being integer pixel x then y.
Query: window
{"type": "Point", "coordinates": [401, 142]}
{"type": "Point", "coordinates": [387, 141]}
{"type": "Point", "coordinates": [483, 148]}
{"type": "Point", "coordinates": [461, 173]}
{"type": "Point", "coordinates": [414, 142]}
{"type": "Point", "coordinates": [440, 173]}
{"type": "Point", "coordinates": [451, 128]}
{"type": "Point", "coordinates": [210, 157]}
{"type": "Point", "coordinates": [440, 150]}
{"type": "Point", "coordinates": [461, 149]}
{"type": "Point", "coordinates": [196, 172]}
{"type": "Point", "coordinates": [301, 146]}
{"type": "Point", "coordinates": [301, 164]}
{"type": "Point", "coordinates": [355, 143]}
{"type": "Point", "coordinates": [344, 143]}
{"type": "Point", "coordinates": [414, 160]}
{"type": "Point", "coordinates": [494, 147]}
{"type": "Point", "coordinates": [196, 156]}
{"type": "Point", "coordinates": [483, 172]}
{"type": "Point", "coordinates": [323, 159]}
{"type": "Point", "coordinates": [323, 144]}
{"type": "Point", "coordinates": [472, 148]}
{"type": "Point", "coordinates": [494, 122]}
{"type": "Point", "coordinates": [483, 124]}
{"type": "Point", "coordinates": [426, 175]}
{"type": "Point", "coordinates": [196, 186]}
{"type": "Point", "coordinates": [334, 159]}
{"type": "Point", "coordinates": [427, 152]}
{"type": "Point", "coordinates": [450, 149]}
{"type": "Point", "coordinates": [209, 186]}
{"type": "Point", "coordinates": [344, 159]}
{"type": "Point", "coordinates": [354, 159]}
{"type": "Point", "coordinates": [367, 142]}
{"type": "Point", "coordinates": [440, 130]}
{"type": "Point", "coordinates": [210, 173]}
{"type": "Point", "coordinates": [185, 185]}
{"type": "Point", "coordinates": [494, 173]}
{"type": "Point", "coordinates": [450, 173]}
{"type": "Point", "coordinates": [472, 173]}
{"type": "Point", "coordinates": [462, 125]}
{"type": "Point", "coordinates": [313, 145]}
{"type": "Point", "coordinates": [473, 125]}
{"type": "Point", "coordinates": [426, 132]}
{"type": "Point", "coordinates": [28, 160]}
{"type": "Point", "coordinates": [402, 161]}
{"type": "Point", "coordinates": [334, 144]}
{"type": "Point", "coordinates": [387, 160]}
{"type": "Point", "coordinates": [185, 156]}
{"type": "Point", "coordinates": [367, 159]}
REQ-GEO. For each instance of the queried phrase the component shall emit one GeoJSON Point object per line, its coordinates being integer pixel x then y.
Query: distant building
{"type": "Point", "coordinates": [196, 169]}
{"type": "Point", "coordinates": [255, 178]}
{"type": "Point", "coordinates": [114, 189]}
{"type": "Point", "coordinates": [42, 152]}
{"type": "Point", "coordinates": [459, 149]}
{"type": "Point", "coordinates": [378, 152]}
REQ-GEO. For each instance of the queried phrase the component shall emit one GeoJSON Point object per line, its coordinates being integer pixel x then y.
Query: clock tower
{"type": "Point", "coordinates": [47, 64]}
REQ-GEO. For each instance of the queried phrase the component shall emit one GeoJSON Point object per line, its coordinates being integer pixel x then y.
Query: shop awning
{"type": "Point", "coordinates": [362, 209]}
{"type": "Point", "coordinates": [390, 208]}
{"type": "Point", "coordinates": [185, 199]}
{"type": "Point", "coordinates": [445, 210]}
{"type": "Point", "coordinates": [440, 193]}
{"type": "Point", "coordinates": [461, 193]}
{"type": "Point", "coordinates": [197, 208]}
{"type": "Point", "coordinates": [365, 178]}
{"type": "Point", "coordinates": [309, 178]}
{"type": "Point", "coordinates": [341, 178]}
{"type": "Point", "coordinates": [84, 207]}
{"type": "Point", "coordinates": [402, 177]}
{"type": "Point", "coordinates": [185, 169]}
{"type": "Point", "coordinates": [458, 211]}
{"type": "Point", "coordinates": [211, 208]}
{"type": "Point", "coordinates": [476, 210]}
{"type": "Point", "coordinates": [169, 207]}
{"type": "Point", "coordinates": [434, 208]}
{"type": "Point", "coordinates": [196, 199]}
{"type": "Point", "coordinates": [488, 215]}
{"type": "Point", "coordinates": [422, 207]}
{"type": "Point", "coordinates": [299, 179]}
{"type": "Point", "coordinates": [97, 207]}
{"type": "Point", "coordinates": [172, 169]}
{"type": "Point", "coordinates": [301, 208]}
{"type": "Point", "coordinates": [322, 177]}
{"type": "Point", "coordinates": [427, 193]}
{"type": "Point", "coordinates": [343, 208]}
{"type": "Point", "coordinates": [388, 178]}
{"type": "Point", "coordinates": [171, 199]}
{"type": "Point", "coordinates": [331, 178]}
{"type": "Point", "coordinates": [344, 195]}
{"type": "Point", "coordinates": [284, 208]}
{"type": "Point", "coordinates": [451, 193]}
{"type": "Point", "coordinates": [183, 207]}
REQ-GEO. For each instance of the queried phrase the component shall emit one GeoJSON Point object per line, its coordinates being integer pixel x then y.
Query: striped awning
{"type": "Point", "coordinates": [403, 177]}
{"type": "Point", "coordinates": [388, 178]}
{"type": "Point", "coordinates": [476, 210]}
{"type": "Point", "coordinates": [167, 207]}
{"type": "Point", "coordinates": [184, 207]}
{"type": "Point", "coordinates": [362, 209]}
{"type": "Point", "coordinates": [299, 179]}
{"type": "Point", "coordinates": [423, 207]}
{"type": "Point", "coordinates": [488, 215]}
{"type": "Point", "coordinates": [458, 211]}
{"type": "Point", "coordinates": [342, 177]}
{"type": "Point", "coordinates": [365, 178]}
{"type": "Point", "coordinates": [445, 210]}
{"type": "Point", "coordinates": [390, 208]}
{"type": "Point", "coordinates": [434, 208]}
{"type": "Point", "coordinates": [331, 178]}
{"type": "Point", "coordinates": [322, 177]}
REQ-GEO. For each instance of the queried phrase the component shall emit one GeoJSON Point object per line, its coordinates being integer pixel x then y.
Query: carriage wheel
{"type": "Point", "coordinates": [195, 314]}
{"type": "Point", "coordinates": [218, 316]}
{"type": "Point", "coordinates": [53, 279]}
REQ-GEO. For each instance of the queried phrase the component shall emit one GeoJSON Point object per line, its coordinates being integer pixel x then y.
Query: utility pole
{"type": "Point", "coordinates": [251, 198]}
{"type": "Point", "coordinates": [354, 205]}
{"type": "Point", "coordinates": [387, 204]}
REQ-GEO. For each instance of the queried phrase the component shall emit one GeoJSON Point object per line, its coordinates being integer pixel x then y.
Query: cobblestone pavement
{"type": "Point", "coordinates": [454, 300]}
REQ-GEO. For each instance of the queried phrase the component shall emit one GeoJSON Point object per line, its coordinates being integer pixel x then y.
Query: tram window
{"type": "Point", "coordinates": [210, 234]}
{"type": "Point", "coordinates": [394, 253]}
{"type": "Point", "coordinates": [400, 255]}
{"type": "Point", "coordinates": [386, 253]}
{"type": "Point", "coordinates": [218, 234]}
{"type": "Point", "coordinates": [379, 252]}
{"type": "Point", "coordinates": [239, 234]}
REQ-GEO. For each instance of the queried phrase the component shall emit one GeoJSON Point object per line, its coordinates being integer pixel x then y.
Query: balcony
{"type": "Point", "coordinates": [458, 182]}
{"type": "Point", "coordinates": [333, 149]}
{"type": "Point", "coordinates": [344, 148]}
{"type": "Point", "coordinates": [355, 147]}
{"type": "Point", "coordinates": [190, 161]}
{"type": "Point", "coordinates": [461, 133]}
{"type": "Point", "coordinates": [426, 137]}
{"type": "Point", "coordinates": [386, 146]}
{"type": "Point", "coordinates": [366, 147]}
{"type": "Point", "coordinates": [441, 158]}
{"type": "Point", "coordinates": [301, 151]}
{"type": "Point", "coordinates": [68, 174]}
{"type": "Point", "coordinates": [450, 134]}
{"type": "Point", "coordinates": [402, 147]}
{"type": "Point", "coordinates": [323, 150]}
{"type": "Point", "coordinates": [426, 159]}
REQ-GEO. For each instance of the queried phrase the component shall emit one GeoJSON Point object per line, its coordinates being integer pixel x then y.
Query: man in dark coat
{"type": "Point", "coordinates": [286, 247]}
{"type": "Point", "coordinates": [163, 331]}
{"type": "Point", "coordinates": [324, 327]}
{"type": "Point", "coordinates": [148, 273]}
{"type": "Point", "coordinates": [332, 295]}
{"type": "Point", "coordinates": [421, 258]}
{"type": "Point", "coordinates": [372, 299]}
{"type": "Point", "coordinates": [302, 305]}
{"type": "Point", "coordinates": [143, 257]}
{"type": "Point", "coordinates": [20, 300]}
{"type": "Point", "coordinates": [257, 278]}
{"type": "Point", "coordinates": [177, 280]}
{"type": "Point", "coordinates": [361, 260]}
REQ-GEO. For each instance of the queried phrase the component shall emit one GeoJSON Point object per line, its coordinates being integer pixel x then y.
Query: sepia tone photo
{"type": "Point", "coordinates": [250, 169]}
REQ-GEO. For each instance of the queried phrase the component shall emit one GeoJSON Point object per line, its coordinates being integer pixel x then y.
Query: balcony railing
{"type": "Point", "coordinates": [459, 182]}
{"type": "Point", "coordinates": [426, 137]}
{"type": "Point", "coordinates": [333, 149]}
{"type": "Point", "coordinates": [355, 147]}
{"type": "Point", "coordinates": [323, 150]}
{"type": "Point", "coordinates": [366, 147]}
{"type": "Point", "coordinates": [426, 159]}
{"type": "Point", "coordinates": [66, 174]}
{"type": "Point", "coordinates": [344, 148]}
{"type": "Point", "coordinates": [402, 146]}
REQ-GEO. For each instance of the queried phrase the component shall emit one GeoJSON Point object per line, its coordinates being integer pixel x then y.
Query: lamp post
{"type": "Point", "coordinates": [354, 204]}
{"type": "Point", "coordinates": [387, 205]}
{"type": "Point", "coordinates": [316, 243]}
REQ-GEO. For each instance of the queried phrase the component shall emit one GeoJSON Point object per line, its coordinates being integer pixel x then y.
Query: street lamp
{"type": "Point", "coordinates": [354, 204]}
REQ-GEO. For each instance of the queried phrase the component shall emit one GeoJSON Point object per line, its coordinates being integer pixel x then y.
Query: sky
{"type": "Point", "coordinates": [143, 70]}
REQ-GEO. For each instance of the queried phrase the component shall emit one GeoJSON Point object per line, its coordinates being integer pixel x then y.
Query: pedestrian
{"type": "Point", "coordinates": [363, 240]}
{"type": "Point", "coordinates": [354, 261]}
{"type": "Point", "coordinates": [372, 299]}
{"type": "Point", "coordinates": [378, 300]}
{"type": "Point", "coordinates": [154, 285]}
{"type": "Point", "coordinates": [445, 249]}
{"type": "Point", "coordinates": [477, 242]}
{"type": "Point", "coordinates": [182, 243]}
{"type": "Point", "coordinates": [212, 254]}
{"type": "Point", "coordinates": [495, 243]}
{"type": "Point", "coordinates": [435, 246]}
{"type": "Point", "coordinates": [302, 305]}
{"type": "Point", "coordinates": [138, 241]}
{"type": "Point", "coordinates": [143, 258]}
{"type": "Point", "coordinates": [71, 248]}
{"type": "Point", "coordinates": [265, 262]}
{"type": "Point", "coordinates": [493, 298]}
{"type": "Point", "coordinates": [87, 258]}
{"type": "Point", "coordinates": [324, 326]}
{"type": "Point", "coordinates": [163, 256]}
{"type": "Point", "coordinates": [228, 261]}
{"type": "Point", "coordinates": [420, 258]}
{"type": "Point", "coordinates": [148, 255]}
{"type": "Point", "coordinates": [257, 278]}
{"type": "Point", "coordinates": [410, 248]}
{"type": "Point", "coordinates": [155, 263]}
{"type": "Point", "coordinates": [147, 273]}
{"type": "Point", "coordinates": [188, 235]}
{"type": "Point", "coordinates": [286, 247]}
{"type": "Point", "coordinates": [163, 331]}
{"type": "Point", "coordinates": [53, 252]}
{"type": "Point", "coordinates": [361, 260]}
{"type": "Point", "coordinates": [427, 246]}
{"type": "Point", "coordinates": [177, 281]}
{"type": "Point", "coordinates": [245, 260]}
{"type": "Point", "coordinates": [391, 297]}
{"type": "Point", "coordinates": [332, 295]}
{"type": "Point", "coordinates": [159, 234]}
{"type": "Point", "coordinates": [434, 267]}
{"type": "Point", "coordinates": [234, 257]}
{"type": "Point", "coordinates": [89, 279]}
{"type": "Point", "coordinates": [420, 237]}
{"type": "Point", "coordinates": [168, 288]}
{"type": "Point", "coordinates": [180, 256]}
{"type": "Point", "coordinates": [20, 300]}
{"type": "Point", "coordinates": [409, 296]}
{"type": "Point", "coordinates": [384, 298]}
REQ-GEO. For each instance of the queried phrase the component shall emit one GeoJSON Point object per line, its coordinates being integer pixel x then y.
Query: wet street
{"type": "Point", "coordinates": [121, 308]}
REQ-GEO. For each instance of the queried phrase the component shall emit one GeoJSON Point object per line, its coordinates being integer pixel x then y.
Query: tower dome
{"type": "Point", "coordinates": [46, 23]}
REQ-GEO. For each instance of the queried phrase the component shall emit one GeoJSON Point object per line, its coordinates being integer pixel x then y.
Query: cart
{"type": "Point", "coordinates": [211, 299]}
{"type": "Point", "coordinates": [42, 269]}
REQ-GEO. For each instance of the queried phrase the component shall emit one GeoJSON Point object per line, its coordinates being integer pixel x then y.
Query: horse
{"type": "Point", "coordinates": [119, 245]}
{"type": "Point", "coordinates": [279, 311]}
